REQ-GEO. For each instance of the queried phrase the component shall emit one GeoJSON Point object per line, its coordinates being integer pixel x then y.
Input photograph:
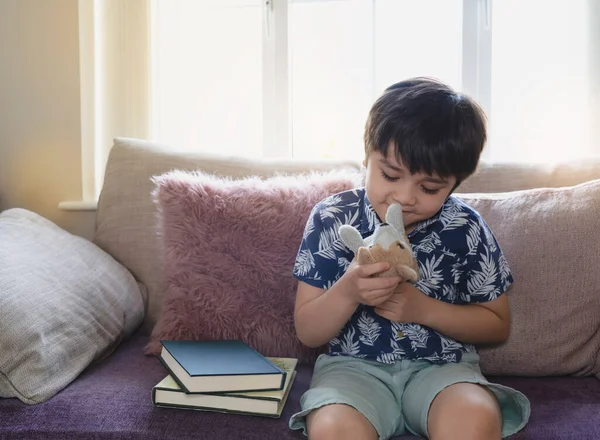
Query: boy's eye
{"type": "Point", "coordinates": [429, 191]}
{"type": "Point", "coordinates": [388, 177]}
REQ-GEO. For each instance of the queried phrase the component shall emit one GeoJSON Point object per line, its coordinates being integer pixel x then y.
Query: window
{"type": "Point", "coordinates": [343, 54]}
{"type": "Point", "coordinates": [291, 78]}
{"type": "Point", "coordinates": [546, 80]}
{"type": "Point", "coordinates": [207, 74]}
{"type": "Point", "coordinates": [297, 77]}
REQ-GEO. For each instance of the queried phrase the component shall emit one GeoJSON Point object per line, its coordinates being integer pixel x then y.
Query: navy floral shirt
{"type": "Point", "coordinates": [460, 262]}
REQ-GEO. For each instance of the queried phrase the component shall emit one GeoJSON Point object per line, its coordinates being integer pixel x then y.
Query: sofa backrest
{"type": "Point", "coordinates": [126, 223]}
{"type": "Point", "coordinates": [504, 177]}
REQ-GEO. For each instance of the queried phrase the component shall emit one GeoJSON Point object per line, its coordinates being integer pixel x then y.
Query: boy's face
{"type": "Point", "coordinates": [420, 195]}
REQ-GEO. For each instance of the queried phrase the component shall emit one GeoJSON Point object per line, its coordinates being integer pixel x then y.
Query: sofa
{"type": "Point", "coordinates": [159, 209]}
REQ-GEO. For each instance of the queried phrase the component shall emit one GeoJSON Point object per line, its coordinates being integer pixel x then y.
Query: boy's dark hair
{"type": "Point", "coordinates": [434, 129]}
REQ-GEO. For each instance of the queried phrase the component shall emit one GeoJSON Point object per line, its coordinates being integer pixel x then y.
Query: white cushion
{"type": "Point", "coordinates": [64, 303]}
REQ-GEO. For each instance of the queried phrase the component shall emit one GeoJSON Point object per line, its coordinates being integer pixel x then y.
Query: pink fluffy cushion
{"type": "Point", "coordinates": [229, 249]}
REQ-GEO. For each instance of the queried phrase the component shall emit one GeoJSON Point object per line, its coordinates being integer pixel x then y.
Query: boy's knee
{"type": "Point", "coordinates": [338, 421]}
{"type": "Point", "coordinates": [465, 411]}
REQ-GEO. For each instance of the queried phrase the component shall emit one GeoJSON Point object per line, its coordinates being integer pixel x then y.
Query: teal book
{"type": "Point", "coordinates": [168, 394]}
{"type": "Point", "coordinates": [219, 367]}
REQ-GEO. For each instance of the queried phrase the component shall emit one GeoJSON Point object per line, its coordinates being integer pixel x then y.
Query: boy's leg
{"type": "Point", "coordinates": [348, 398]}
{"type": "Point", "coordinates": [337, 421]}
{"type": "Point", "coordinates": [455, 401]}
{"type": "Point", "coordinates": [465, 411]}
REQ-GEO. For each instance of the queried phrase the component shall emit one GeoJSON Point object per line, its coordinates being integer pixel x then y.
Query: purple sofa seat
{"type": "Point", "coordinates": [112, 401]}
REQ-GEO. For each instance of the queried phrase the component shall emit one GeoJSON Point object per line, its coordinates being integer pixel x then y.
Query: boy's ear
{"type": "Point", "coordinates": [351, 237]}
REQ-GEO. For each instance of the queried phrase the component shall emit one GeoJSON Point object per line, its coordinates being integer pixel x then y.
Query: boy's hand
{"type": "Point", "coordinates": [407, 304]}
{"type": "Point", "coordinates": [363, 288]}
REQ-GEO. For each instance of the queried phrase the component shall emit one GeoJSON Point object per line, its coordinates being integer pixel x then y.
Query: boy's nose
{"type": "Point", "coordinates": [405, 193]}
{"type": "Point", "coordinates": [406, 198]}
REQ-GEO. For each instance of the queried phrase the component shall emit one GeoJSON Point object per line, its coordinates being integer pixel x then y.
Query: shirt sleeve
{"type": "Point", "coordinates": [317, 260]}
{"type": "Point", "coordinates": [486, 274]}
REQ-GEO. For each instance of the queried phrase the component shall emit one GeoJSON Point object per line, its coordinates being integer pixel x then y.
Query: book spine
{"type": "Point", "coordinates": [174, 376]}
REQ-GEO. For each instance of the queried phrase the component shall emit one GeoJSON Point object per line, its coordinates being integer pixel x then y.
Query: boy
{"type": "Point", "coordinates": [401, 359]}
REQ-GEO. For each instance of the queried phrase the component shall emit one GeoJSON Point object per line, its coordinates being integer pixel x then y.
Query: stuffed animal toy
{"type": "Point", "coordinates": [388, 243]}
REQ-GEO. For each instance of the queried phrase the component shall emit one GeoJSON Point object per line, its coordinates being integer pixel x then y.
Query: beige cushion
{"type": "Point", "coordinates": [551, 239]}
{"type": "Point", "coordinates": [504, 177]}
{"type": "Point", "coordinates": [126, 217]}
{"type": "Point", "coordinates": [64, 303]}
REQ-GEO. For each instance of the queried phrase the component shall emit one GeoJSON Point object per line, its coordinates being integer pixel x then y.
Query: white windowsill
{"type": "Point", "coordinates": [78, 205]}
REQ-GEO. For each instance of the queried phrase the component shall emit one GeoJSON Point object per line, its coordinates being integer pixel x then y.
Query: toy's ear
{"type": "Point", "coordinates": [393, 216]}
{"type": "Point", "coordinates": [407, 273]}
{"type": "Point", "coordinates": [351, 237]}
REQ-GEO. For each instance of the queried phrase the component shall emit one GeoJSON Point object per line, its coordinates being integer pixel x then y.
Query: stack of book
{"type": "Point", "coordinates": [223, 376]}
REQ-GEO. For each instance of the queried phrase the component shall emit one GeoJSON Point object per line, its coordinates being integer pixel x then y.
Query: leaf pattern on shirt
{"type": "Point", "coordinates": [386, 358]}
{"type": "Point", "coordinates": [348, 344]}
{"type": "Point", "coordinates": [304, 262]}
{"type": "Point", "coordinates": [431, 276]}
{"type": "Point", "coordinates": [328, 284]}
{"type": "Point", "coordinates": [459, 260]}
{"type": "Point", "coordinates": [489, 238]}
{"type": "Point", "coordinates": [330, 242]}
{"type": "Point", "coordinates": [449, 345]}
{"type": "Point", "coordinates": [428, 244]}
{"type": "Point", "coordinates": [473, 238]}
{"type": "Point", "coordinates": [483, 281]}
{"type": "Point", "coordinates": [350, 218]}
{"type": "Point", "coordinates": [310, 225]}
{"type": "Point", "coordinates": [371, 217]}
{"type": "Point", "coordinates": [417, 334]}
{"type": "Point", "coordinates": [368, 328]}
{"type": "Point", "coordinates": [436, 358]}
{"type": "Point", "coordinates": [449, 293]}
{"type": "Point", "coordinates": [453, 217]}
{"type": "Point", "coordinates": [504, 271]}
{"type": "Point", "coordinates": [343, 263]}
{"type": "Point", "coordinates": [335, 200]}
{"type": "Point", "coordinates": [397, 331]}
{"type": "Point", "coordinates": [398, 351]}
{"type": "Point", "coordinates": [457, 270]}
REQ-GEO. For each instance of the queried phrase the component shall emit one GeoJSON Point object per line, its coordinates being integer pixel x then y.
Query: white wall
{"type": "Point", "coordinates": [40, 148]}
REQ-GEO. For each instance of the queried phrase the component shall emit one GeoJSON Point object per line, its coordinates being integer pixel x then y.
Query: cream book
{"type": "Point", "coordinates": [167, 393]}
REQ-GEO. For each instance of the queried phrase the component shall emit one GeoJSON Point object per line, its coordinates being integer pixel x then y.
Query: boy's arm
{"type": "Point", "coordinates": [320, 314]}
{"type": "Point", "coordinates": [480, 323]}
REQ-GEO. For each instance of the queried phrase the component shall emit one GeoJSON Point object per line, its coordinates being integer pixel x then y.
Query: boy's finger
{"type": "Point", "coordinates": [371, 269]}
{"type": "Point", "coordinates": [378, 297]}
{"type": "Point", "coordinates": [383, 283]}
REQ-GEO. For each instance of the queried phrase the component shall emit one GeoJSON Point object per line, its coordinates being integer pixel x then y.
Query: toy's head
{"type": "Point", "coordinates": [388, 243]}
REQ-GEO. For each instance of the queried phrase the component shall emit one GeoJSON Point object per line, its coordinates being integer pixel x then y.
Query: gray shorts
{"type": "Point", "coordinates": [396, 398]}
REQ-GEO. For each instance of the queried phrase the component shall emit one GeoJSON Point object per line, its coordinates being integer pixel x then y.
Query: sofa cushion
{"type": "Point", "coordinates": [230, 247]}
{"type": "Point", "coordinates": [551, 239]}
{"type": "Point", "coordinates": [64, 303]}
{"type": "Point", "coordinates": [126, 217]}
